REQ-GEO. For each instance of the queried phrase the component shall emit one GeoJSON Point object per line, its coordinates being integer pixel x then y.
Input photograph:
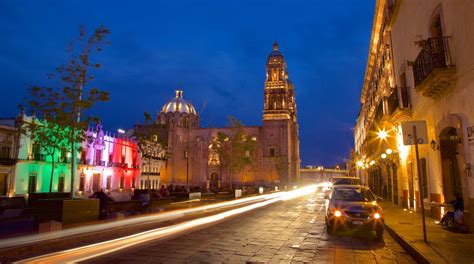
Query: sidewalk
{"type": "Point", "coordinates": [443, 246]}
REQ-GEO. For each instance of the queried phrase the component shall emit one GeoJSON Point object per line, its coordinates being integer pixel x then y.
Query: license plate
{"type": "Point", "coordinates": [357, 222]}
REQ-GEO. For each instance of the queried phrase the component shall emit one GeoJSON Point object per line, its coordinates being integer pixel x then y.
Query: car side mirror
{"type": "Point", "coordinates": [379, 199]}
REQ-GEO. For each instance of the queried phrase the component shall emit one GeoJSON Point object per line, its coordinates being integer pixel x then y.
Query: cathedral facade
{"type": "Point", "coordinates": [205, 157]}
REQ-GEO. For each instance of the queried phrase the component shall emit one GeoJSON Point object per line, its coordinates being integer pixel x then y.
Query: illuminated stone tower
{"type": "Point", "coordinates": [280, 127]}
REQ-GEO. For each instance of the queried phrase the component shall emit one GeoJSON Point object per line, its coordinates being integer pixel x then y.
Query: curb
{"type": "Point", "coordinates": [417, 256]}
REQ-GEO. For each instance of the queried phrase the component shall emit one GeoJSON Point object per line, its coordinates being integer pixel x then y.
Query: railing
{"type": "Point", "coordinates": [39, 157]}
{"type": "Point", "coordinates": [99, 163]}
{"type": "Point", "coordinates": [84, 161]}
{"type": "Point", "coordinates": [64, 159]}
{"type": "Point", "coordinates": [434, 54]}
{"type": "Point", "coordinates": [7, 161]}
{"type": "Point", "coordinates": [393, 103]}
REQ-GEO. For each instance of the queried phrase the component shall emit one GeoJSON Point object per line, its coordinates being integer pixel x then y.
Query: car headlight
{"type": "Point", "coordinates": [337, 213]}
{"type": "Point", "coordinates": [377, 216]}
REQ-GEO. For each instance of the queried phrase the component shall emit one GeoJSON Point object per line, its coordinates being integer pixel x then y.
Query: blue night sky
{"type": "Point", "coordinates": [216, 50]}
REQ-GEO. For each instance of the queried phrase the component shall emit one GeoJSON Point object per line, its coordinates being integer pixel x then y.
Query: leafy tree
{"type": "Point", "coordinates": [66, 103]}
{"type": "Point", "coordinates": [236, 151]}
{"type": "Point", "coordinates": [50, 136]}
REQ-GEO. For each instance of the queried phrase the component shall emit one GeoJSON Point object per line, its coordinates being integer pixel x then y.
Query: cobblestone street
{"type": "Point", "coordinates": [290, 231]}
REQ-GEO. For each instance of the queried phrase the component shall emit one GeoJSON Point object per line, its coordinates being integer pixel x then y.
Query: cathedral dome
{"type": "Point", "coordinates": [178, 104]}
{"type": "Point", "coordinates": [275, 55]}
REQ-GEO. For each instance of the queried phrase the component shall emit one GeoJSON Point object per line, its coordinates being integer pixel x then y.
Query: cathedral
{"type": "Point", "coordinates": [220, 158]}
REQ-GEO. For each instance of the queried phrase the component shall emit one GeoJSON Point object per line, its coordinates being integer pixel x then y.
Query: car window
{"type": "Point", "coordinates": [346, 182]}
{"type": "Point", "coordinates": [353, 194]}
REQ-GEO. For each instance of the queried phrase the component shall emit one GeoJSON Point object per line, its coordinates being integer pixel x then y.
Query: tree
{"type": "Point", "coordinates": [50, 136]}
{"type": "Point", "coordinates": [65, 104]}
{"type": "Point", "coordinates": [236, 151]}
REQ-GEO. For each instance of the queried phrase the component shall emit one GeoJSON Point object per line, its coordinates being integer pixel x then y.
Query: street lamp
{"type": "Point", "coordinates": [382, 134]}
{"type": "Point", "coordinates": [383, 156]}
{"type": "Point", "coordinates": [389, 151]}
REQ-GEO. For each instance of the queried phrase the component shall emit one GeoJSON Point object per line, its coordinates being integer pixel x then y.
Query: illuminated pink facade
{"type": "Point", "coordinates": [107, 162]}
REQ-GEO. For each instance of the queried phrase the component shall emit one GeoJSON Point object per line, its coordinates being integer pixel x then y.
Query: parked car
{"type": "Point", "coordinates": [354, 207]}
{"type": "Point", "coordinates": [339, 180]}
{"type": "Point", "coordinates": [345, 180]}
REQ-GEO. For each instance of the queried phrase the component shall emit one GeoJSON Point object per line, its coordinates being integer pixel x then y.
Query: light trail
{"type": "Point", "coordinates": [107, 247]}
{"type": "Point", "coordinates": [156, 217]}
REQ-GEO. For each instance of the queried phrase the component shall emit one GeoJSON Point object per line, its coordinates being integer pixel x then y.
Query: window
{"type": "Point", "coordinates": [122, 182]}
{"type": "Point", "coordinates": [5, 152]}
{"type": "Point", "coordinates": [61, 182]}
{"type": "Point", "coordinates": [98, 156]}
{"type": "Point", "coordinates": [63, 155]}
{"type": "Point", "coordinates": [36, 151]}
{"type": "Point", "coordinates": [247, 153]}
{"type": "Point", "coordinates": [185, 154]}
{"type": "Point", "coordinates": [133, 182]}
{"type": "Point", "coordinates": [109, 182]}
{"type": "Point", "coordinates": [32, 183]}
{"type": "Point", "coordinates": [111, 158]}
{"type": "Point", "coordinates": [142, 184]}
{"type": "Point", "coordinates": [82, 182]}
{"type": "Point", "coordinates": [83, 157]}
{"type": "Point", "coordinates": [404, 92]}
{"type": "Point", "coordinates": [272, 152]}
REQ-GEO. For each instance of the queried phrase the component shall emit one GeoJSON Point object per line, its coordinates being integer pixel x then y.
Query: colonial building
{"type": "Point", "coordinates": [196, 156]}
{"type": "Point", "coordinates": [109, 163]}
{"type": "Point", "coordinates": [106, 162]}
{"type": "Point", "coordinates": [419, 68]}
{"type": "Point", "coordinates": [8, 153]}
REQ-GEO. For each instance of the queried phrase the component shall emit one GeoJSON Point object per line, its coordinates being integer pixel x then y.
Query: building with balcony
{"type": "Point", "coordinates": [420, 67]}
{"type": "Point", "coordinates": [8, 156]}
{"type": "Point", "coordinates": [106, 162]}
{"type": "Point", "coordinates": [109, 163]}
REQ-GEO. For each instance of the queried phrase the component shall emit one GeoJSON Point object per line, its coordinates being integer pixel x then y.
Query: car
{"type": "Point", "coordinates": [345, 180]}
{"type": "Point", "coordinates": [354, 207]}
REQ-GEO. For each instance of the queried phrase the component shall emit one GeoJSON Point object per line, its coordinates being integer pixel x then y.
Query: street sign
{"type": "Point", "coordinates": [408, 133]}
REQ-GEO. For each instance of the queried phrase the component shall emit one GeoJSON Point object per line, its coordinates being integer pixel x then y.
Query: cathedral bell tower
{"type": "Point", "coordinates": [280, 127]}
{"type": "Point", "coordinates": [279, 93]}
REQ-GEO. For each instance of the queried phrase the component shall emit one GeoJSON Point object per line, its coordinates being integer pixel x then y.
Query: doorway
{"type": "Point", "coordinates": [214, 181]}
{"type": "Point", "coordinates": [96, 182]}
{"type": "Point", "coordinates": [449, 147]}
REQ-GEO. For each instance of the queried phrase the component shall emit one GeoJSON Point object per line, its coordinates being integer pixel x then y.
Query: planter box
{"type": "Point", "coordinates": [66, 211]}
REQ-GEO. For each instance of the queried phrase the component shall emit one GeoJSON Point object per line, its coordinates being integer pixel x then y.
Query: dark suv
{"type": "Point", "coordinates": [354, 207]}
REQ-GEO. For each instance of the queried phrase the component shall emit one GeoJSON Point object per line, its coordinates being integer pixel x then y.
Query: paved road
{"type": "Point", "coordinates": [290, 231]}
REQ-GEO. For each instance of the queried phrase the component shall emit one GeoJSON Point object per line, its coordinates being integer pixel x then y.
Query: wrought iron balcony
{"type": "Point", "coordinates": [64, 159]}
{"type": "Point", "coordinates": [39, 157]}
{"type": "Point", "coordinates": [7, 161]}
{"type": "Point", "coordinates": [433, 68]}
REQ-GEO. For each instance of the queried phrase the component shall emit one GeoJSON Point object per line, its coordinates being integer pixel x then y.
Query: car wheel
{"type": "Point", "coordinates": [379, 234]}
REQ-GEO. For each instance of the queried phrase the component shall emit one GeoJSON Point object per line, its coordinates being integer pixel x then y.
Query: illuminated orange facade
{"type": "Point", "coordinates": [192, 156]}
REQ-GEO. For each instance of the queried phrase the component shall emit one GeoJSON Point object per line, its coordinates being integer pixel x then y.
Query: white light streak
{"type": "Point", "coordinates": [107, 247]}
